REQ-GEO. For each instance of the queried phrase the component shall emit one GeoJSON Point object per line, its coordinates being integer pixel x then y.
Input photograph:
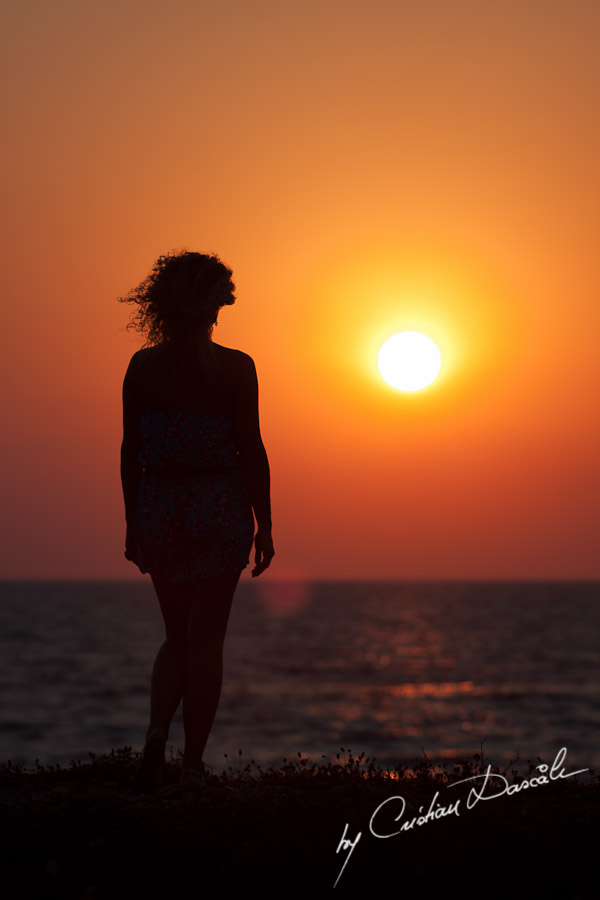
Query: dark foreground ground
{"type": "Point", "coordinates": [80, 832]}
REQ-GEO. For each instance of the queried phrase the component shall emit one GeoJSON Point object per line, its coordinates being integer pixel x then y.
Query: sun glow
{"type": "Point", "coordinates": [409, 361]}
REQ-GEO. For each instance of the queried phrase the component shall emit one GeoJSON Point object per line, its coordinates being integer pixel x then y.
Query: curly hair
{"type": "Point", "coordinates": [179, 301]}
{"type": "Point", "coordinates": [177, 307]}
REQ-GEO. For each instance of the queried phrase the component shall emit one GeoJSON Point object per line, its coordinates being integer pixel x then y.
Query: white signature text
{"type": "Point", "coordinates": [489, 786]}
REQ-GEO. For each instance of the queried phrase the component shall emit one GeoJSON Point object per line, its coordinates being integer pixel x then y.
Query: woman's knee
{"type": "Point", "coordinates": [176, 642]}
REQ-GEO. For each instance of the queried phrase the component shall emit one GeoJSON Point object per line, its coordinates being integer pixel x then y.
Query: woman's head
{"type": "Point", "coordinates": [179, 301]}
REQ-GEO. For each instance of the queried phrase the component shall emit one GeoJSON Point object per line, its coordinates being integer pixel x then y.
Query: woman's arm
{"type": "Point", "coordinates": [253, 459]}
{"type": "Point", "coordinates": [131, 470]}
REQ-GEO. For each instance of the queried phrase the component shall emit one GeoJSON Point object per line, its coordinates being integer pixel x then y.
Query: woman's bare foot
{"type": "Point", "coordinates": [192, 778]}
{"type": "Point", "coordinates": [150, 773]}
{"type": "Point", "coordinates": [189, 780]}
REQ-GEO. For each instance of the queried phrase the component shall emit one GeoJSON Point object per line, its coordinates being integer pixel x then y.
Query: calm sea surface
{"type": "Point", "coordinates": [382, 668]}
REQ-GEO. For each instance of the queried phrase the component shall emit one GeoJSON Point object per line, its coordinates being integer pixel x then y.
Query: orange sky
{"type": "Point", "coordinates": [364, 169]}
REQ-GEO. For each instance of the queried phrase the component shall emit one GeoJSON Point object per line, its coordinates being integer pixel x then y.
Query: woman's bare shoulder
{"type": "Point", "coordinates": [235, 360]}
{"type": "Point", "coordinates": [143, 354]}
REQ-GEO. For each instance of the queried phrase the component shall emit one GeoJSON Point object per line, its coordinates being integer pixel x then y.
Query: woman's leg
{"type": "Point", "coordinates": [168, 672]}
{"type": "Point", "coordinates": [168, 676]}
{"type": "Point", "coordinates": [209, 615]}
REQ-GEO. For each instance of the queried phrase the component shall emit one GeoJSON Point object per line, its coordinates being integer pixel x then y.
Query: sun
{"type": "Point", "coordinates": [409, 361]}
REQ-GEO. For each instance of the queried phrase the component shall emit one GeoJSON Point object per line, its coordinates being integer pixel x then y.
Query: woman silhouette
{"type": "Point", "coordinates": [193, 469]}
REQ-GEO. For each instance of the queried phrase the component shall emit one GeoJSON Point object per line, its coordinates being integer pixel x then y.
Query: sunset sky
{"type": "Point", "coordinates": [364, 168]}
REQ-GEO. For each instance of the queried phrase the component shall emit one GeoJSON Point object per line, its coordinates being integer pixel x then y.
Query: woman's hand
{"type": "Point", "coordinates": [265, 552]}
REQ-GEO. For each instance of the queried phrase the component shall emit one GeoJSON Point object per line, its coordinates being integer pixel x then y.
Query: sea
{"type": "Point", "coordinates": [400, 672]}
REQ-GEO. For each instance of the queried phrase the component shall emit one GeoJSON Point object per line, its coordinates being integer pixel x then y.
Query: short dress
{"type": "Point", "coordinates": [193, 516]}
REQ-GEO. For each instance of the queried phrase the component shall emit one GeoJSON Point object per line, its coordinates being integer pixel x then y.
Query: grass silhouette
{"type": "Point", "coordinates": [80, 832]}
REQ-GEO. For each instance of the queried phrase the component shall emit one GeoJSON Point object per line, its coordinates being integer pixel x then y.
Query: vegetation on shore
{"type": "Point", "coordinates": [81, 832]}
